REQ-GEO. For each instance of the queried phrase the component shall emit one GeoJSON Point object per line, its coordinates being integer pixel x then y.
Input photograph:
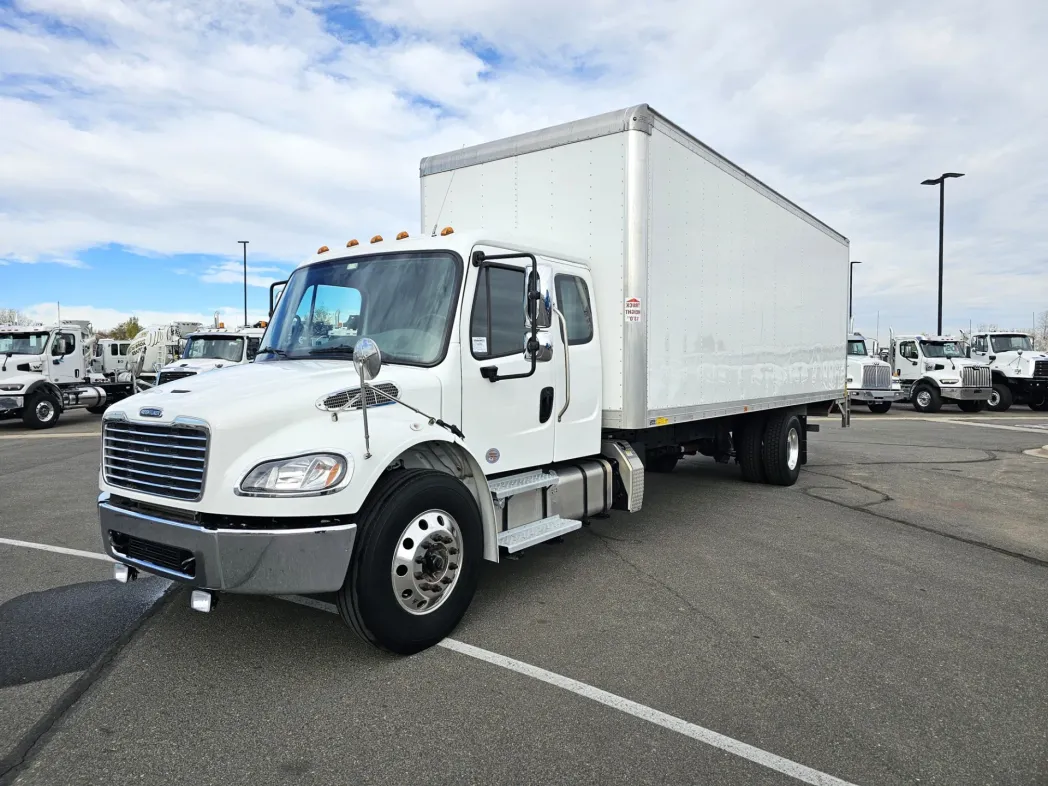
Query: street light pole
{"type": "Point", "coordinates": [851, 270]}
{"type": "Point", "coordinates": [940, 181]}
{"type": "Point", "coordinates": [244, 244]}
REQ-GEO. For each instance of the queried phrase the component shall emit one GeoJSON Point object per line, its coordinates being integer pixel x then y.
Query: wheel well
{"type": "Point", "coordinates": [454, 459]}
{"type": "Point", "coordinates": [998, 377]}
{"type": "Point", "coordinates": [927, 381]}
{"type": "Point", "coordinates": [49, 387]}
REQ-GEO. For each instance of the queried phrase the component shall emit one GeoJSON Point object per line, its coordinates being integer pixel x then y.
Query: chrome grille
{"type": "Point", "coordinates": [876, 378]}
{"type": "Point", "coordinates": [975, 376]}
{"type": "Point", "coordinates": [165, 460]}
{"type": "Point", "coordinates": [170, 376]}
{"type": "Point", "coordinates": [1040, 368]}
{"type": "Point", "coordinates": [350, 398]}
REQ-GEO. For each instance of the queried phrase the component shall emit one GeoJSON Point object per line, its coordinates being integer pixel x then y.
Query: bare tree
{"type": "Point", "coordinates": [12, 316]}
{"type": "Point", "coordinates": [1041, 338]}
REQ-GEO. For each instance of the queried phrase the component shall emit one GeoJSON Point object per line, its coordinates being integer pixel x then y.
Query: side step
{"type": "Point", "coordinates": [537, 532]}
{"type": "Point", "coordinates": [518, 484]}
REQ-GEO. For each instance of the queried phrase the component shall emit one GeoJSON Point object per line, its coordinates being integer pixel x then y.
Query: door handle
{"type": "Point", "coordinates": [545, 404]}
{"type": "Point", "coordinates": [567, 364]}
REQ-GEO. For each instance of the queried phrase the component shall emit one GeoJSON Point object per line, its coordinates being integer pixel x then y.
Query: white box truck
{"type": "Point", "coordinates": [601, 298]}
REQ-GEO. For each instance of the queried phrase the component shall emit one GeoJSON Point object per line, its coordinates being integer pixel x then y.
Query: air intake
{"type": "Point", "coordinates": [350, 398]}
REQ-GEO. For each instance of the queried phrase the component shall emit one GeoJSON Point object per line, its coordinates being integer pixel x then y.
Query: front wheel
{"type": "Point", "coordinates": [1039, 405]}
{"type": "Point", "coordinates": [879, 407]}
{"type": "Point", "coordinates": [1000, 398]}
{"type": "Point", "coordinates": [971, 406]}
{"type": "Point", "coordinates": [927, 399]}
{"type": "Point", "coordinates": [41, 410]}
{"type": "Point", "coordinates": [415, 562]}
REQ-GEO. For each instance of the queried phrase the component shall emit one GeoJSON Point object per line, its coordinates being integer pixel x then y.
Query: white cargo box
{"type": "Point", "coordinates": [715, 295]}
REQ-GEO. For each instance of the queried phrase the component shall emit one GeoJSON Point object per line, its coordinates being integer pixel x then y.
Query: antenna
{"type": "Point", "coordinates": [436, 221]}
{"type": "Point", "coordinates": [59, 314]}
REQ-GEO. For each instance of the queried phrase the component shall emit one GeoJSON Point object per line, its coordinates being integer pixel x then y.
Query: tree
{"type": "Point", "coordinates": [12, 316]}
{"type": "Point", "coordinates": [1042, 331]}
{"type": "Point", "coordinates": [127, 329]}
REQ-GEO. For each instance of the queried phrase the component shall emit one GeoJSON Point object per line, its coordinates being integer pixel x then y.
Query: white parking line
{"type": "Point", "coordinates": [1001, 426]}
{"type": "Point", "coordinates": [63, 435]}
{"type": "Point", "coordinates": [56, 549]}
{"type": "Point", "coordinates": [666, 721]}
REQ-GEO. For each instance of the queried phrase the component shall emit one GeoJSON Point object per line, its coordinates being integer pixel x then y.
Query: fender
{"type": "Point", "coordinates": [49, 387]}
{"type": "Point", "coordinates": [930, 381]}
{"type": "Point", "coordinates": [997, 376]}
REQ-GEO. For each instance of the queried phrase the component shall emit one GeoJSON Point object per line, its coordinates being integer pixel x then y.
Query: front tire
{"type": "Point", "coordinates": [971, 406]}
{"type": "Point", "coordinates": [1000, 398]}
{"type": "Point", "coordinates": [1040, 405]}
{"type": "Point", "coordinates": [879, 407]}
{"type": "Point", "coordinates": [41, 410]}
{"type": "Point", "coordinates": [782, 449]}
{"type": "Point", "coordinates": [415, 562]}
{"type": "Point", "coordinates": [927, 399]}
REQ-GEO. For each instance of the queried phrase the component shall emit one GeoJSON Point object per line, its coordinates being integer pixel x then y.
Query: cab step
{"type": "Point", "coordinates": [518, 538]}
{"type": "Point", "coordinates": [518, 484]}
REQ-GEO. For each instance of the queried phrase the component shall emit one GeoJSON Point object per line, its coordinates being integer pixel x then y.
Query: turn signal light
{"type": "Point", "coordinates": [402, 235]}
{"type": "Point", "coordinates": [376, 239]}
{"type": "Point", "coordinates": [447, 231]}
{"type": "Point", "coordinates": [323, 250]}
{"type": "Point", "coordinates": [352, 243]}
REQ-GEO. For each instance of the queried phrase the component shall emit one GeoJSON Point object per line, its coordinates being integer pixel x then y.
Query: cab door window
{"type": "Point", "coordinates": [497, 324]}
{"type": "Point", "coordinates": [574, 301]}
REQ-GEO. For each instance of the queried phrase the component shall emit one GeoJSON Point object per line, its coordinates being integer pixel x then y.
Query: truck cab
{"type": "Point", "coordinates": [1019, 374]}
{"type": "Point", "coordinates": [155, 347]}
{"type": "Point", "coordinates": [214, 348]}
{"type": "Point", "coordinates": [110, 357]}
{"type": "Point", "coordinates": [934, 369]}
{"type": "Point", "coordinates": [870, 379]}
{"type": "Point", "coordinates": [45, 370]}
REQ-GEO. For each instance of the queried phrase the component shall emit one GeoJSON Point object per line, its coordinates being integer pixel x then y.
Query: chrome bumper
{"type": "Point", "coordinates": [258, 562]}
{"type": "Point", "coordinates": [875, 395]}
{"type": "Point", "coordinates": [966, 394]}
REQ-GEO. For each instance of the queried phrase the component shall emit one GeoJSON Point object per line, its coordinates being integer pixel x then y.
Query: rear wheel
{"type": "Point", "coordinates": [1039, 405]}
{"type": "Point", "coordinates": [1000, 397]}
{"type": "Point", "coordinates": [662, 463]}
{"type": "Point", "coordinates": [41, 410]}
{"type": "Point", "coordinates": [97, 410]}
{"type": "Point", "coordinates": [926, 399]}
{"type": "Point", "coordinates": [879, 407]}
{"type": "Point", "coordinates": [415, 562]}
{"type": "Point", "coordinates": [971, 406]}
{"type": "Point", "coordinates": [782, 449]}
{"type": "Point", "coordinates": [749, 442]}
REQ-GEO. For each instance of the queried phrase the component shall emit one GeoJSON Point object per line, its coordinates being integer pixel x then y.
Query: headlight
{"type": "Point", "coordinates": [315, 473]}
{"type": "Point", "coordinates": [949, 380]}
{"type": "Point", "coordinates": [10, 387]}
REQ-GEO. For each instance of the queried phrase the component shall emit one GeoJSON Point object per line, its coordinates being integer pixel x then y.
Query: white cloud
{"type": "Point", "coordinates": [233, 273]}
{"type": "Point", "coordinates": [183, 127]}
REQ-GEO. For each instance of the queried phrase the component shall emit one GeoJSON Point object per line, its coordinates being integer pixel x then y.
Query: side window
{"type": "Point", "coordinates": [573, 298]}
{"type": "Point", "coordinates": [123, 349]}
{"type": "Point", "coordinates": [252, 348]}
{"type": "Point", "coordinates": [63, 344]}
{"type": "Point", "coordinates": [114, 349]}
{"type": "Point", "coordinates": [496, 326]}
{"type": "Point", "coordinates": [908, 350]}
{"type": "Point", "coordinates": [979, 344]}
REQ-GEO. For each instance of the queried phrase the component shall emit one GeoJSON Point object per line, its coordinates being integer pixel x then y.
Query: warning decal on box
{"type": "Point", "coordinates": [633, 309]}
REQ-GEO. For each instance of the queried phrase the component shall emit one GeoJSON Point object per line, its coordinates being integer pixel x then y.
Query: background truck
{"type": "Point", "coordinates": [110, 358]}
{"type": "Point", "coordinates": [934, 369]}
{"type": "Point", "coordinates": [870, 379]}
{"type": "Point", "coordinates": [154, 347]}
{"type": "Point", "coordinates": [1019, 375]}
{"type": "Point", "coordinates": [501, 391]}
{"type": "Point", "coordinates": [210, 349]}
{"type": "Point", "coordinates": [45, 370]}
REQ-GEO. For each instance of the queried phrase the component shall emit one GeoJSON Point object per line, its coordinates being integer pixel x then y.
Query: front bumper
{"type": "Point", "coordinates": [256, 562]}
{"type": "Point", "coordinates": [966, 394]}
{"type": "Point", "coordinates": [11, 402]}
{"type": "Point", "coordinates": [875, 395]}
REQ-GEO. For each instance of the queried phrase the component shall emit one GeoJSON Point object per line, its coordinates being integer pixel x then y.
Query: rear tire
{"type": "Point", "coordinates": [971, 406]}
{"type": "Point", "coordinates": [97, 410]}
{"type": "Point", "coordinates": [41, 410]}
{"type": "Point", "coordinates": [1000, 398]}
{"type": "Point", "coordinates": [782, 449]}
{"type": "Point", "coordinates": [879, 407]}
{"type": "Point", "coordinates": [662, 464]}
{"type": "Point", "coordinates": [926, 399]}
{"type": "Point", "coordinates": [1039, 406]}
{"type": "Point", "coordinates": [749, 441]}
{"type": "Point", "coordinates": [369, 601]}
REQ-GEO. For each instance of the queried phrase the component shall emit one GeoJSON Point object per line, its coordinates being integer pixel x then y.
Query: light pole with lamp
{"type": "Point", "coordinates": [244, 244]}
{"type": "Point", "coordinates": [940, 181]}
{"type": "Point", "coordinates": [851, 269]}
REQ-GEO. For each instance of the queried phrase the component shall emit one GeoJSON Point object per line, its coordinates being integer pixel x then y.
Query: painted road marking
{"type": "Point", "coordinates": [56, 549]}
{"type": "Point", "coordinates": [957, 422]}
{"type": "Point", "coordinates": [1038, 452]}
{"type": "Point", "coordinates": [64, 435]}
{"type": "Point", "coordinates": [666, 721]}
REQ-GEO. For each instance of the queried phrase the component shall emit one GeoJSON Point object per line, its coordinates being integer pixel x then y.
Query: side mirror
{"type": "Point", "coordinates": [544, 352]}
{"type": "Point", "coordinates": [544, 303]}
{"type": "Point", "coordinates": [367, 359]}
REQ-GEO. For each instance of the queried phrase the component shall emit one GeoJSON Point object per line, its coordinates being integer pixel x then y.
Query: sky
{"type": "Point", "coordinates": [139, 141]}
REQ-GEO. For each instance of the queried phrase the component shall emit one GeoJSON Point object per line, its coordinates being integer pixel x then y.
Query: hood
{"type": "Point", "coordinates": [274, 394]}
{"type": "Point", "coordinates": [10, 365]}
{"type": "Point", "coordinates": [198, 365]}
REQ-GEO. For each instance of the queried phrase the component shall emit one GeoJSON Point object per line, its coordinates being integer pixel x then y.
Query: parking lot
{"type": "Point", "coordinates": [884, 621]}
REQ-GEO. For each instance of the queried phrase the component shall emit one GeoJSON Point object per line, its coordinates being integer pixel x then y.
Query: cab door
{"type": "Point", "coordinates": [579, 386]}
{"type": "Point", "coordinates": [507, 392]}
{"type": "Point", "coordinates": [64, 359]}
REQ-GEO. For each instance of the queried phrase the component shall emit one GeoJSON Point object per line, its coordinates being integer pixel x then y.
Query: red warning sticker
{"type": "Point", "coordinates": [633, 309]}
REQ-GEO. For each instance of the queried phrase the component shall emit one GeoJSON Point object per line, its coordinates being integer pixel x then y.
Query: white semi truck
{"type": "Point", "coordinates": [210, 349]}
{"type": "Point", "coordinates": [156, 346]}
{"type": "Point", "coordinates": [46, 370]}
{"type": "Point", "coordinates": [934, 369]}
{"type": "Point", "coordinates": [110, 358]}
{"type": "Point", "coordinates": [870, 379]}
{"type": "Point", "coordinates": [1020, 375]}
{"type": "Point", "coordinates": [629, 297]}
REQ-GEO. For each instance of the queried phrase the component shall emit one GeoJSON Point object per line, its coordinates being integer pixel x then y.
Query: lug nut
{"type": "Point", "coordinates": [446, 580]}
{"type": "Point", "coordinates": [418, 576]}
{"type": "Point", "coordinates": [453, 551]}
{"type": "Point", "coordinates": [453, 566]}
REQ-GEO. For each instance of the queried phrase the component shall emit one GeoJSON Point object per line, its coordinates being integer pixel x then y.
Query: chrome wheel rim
{"type": "Point", "coordinates": [924, 398]}
{"type": "Point", "coordinates": [793, 449]}
{"type": "Point", "coordinates": [427, 562]}
{"type": "Point", "coordinates": [45, 410]}
{"type": "Point", "coordinates": [995, 398]}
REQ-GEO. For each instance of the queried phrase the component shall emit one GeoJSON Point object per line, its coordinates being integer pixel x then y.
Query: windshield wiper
{"type": "Point", "coordinates": [273, 351]}
{"type": "Point", "coordinates": [331, 351]}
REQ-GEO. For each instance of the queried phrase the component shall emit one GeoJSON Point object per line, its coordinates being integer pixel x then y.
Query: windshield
{"type": "Point", "coordinates": [857, 347]}
{"type": "Point", "coordinates": [1011, 343]}
{"type": "Point", "coordinates": [941, 349]}
{"type": "Point", "coordinates": [23, 343]}
{"type": "Point", "coordinates": [229, 348]}
{"type": "Point", "coordinates": [404, 302]}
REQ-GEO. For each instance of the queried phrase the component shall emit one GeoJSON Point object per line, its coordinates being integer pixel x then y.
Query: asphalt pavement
{"type": "Point", "coordinates": [883, 621]}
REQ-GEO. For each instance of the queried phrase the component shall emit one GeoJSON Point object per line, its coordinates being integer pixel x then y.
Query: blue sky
{"type": "Point", "coordinates": [140, 140]}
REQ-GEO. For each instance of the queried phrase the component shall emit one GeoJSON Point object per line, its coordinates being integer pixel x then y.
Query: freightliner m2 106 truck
{"type": "Point", "coordinates": [627, 296]}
